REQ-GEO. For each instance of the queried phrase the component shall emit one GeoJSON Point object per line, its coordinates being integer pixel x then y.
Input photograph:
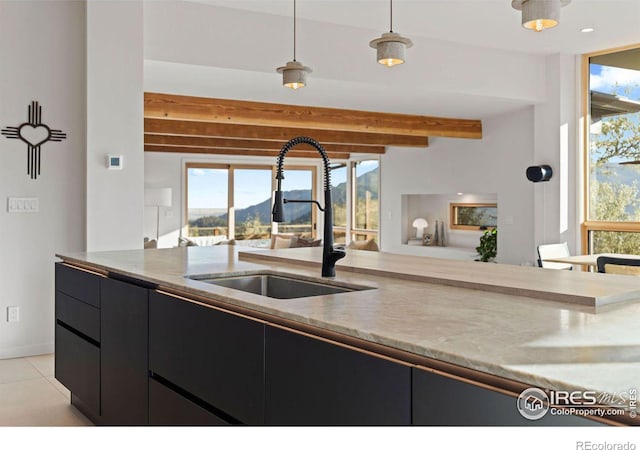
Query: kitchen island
{"type": "Point", "coordinates": [475, 334]}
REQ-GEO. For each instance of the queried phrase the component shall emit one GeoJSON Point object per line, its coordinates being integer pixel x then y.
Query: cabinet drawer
{"type": "Point", "coordinates": [79, 284]}
{"type": "Point", "coordinates": [313, 382]}
{"type": "Point", "coordinates": [167, 407]}
{"type": "Point", "coordinates": [215, 356]}
{"type": "Point", "coordinates": [78, 315]}
{"type": "Point", "coordinates": [443, 401]}
{"type": "Point", "coordinates": [78, 367]}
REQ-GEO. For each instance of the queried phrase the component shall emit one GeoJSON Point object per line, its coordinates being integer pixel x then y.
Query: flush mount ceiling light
{"type": "Point", "coordinates": [294, 73]}
{"type": "Point", "coordinates": [391, 46]}
{"type": "Point", "coordinates": [538, 15]}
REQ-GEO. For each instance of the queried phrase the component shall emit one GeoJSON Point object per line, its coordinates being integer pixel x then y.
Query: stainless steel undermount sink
{"type": "Point", "coordinates": [277, 285]}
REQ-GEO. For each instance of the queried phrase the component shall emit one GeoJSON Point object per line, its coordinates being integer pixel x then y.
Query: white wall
{"type": "Point", "coordinates": [115, 198]}
{"type": "Point", "coordinates": [494, 164]}
{"type": "Point", "coordinates": [43, 57]}
{"type": "Point", "coordinates": [556, 143]}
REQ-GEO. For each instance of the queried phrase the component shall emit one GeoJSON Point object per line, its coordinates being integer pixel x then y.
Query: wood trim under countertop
{"type": "Point", "coordinates": [88, 269]}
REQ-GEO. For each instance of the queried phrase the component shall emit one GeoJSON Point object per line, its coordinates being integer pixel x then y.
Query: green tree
{"type": "Point", "coordinates": [615, 202]}
{"type": "Point", "coordinates": [619, 138]}
{"type": "Point", "coordinates": [618, 203]}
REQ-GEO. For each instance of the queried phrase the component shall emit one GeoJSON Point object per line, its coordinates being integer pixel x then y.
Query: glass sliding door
{"type": "Point", "coordinates": [339, 197]}
{"type": "Point", "coordinates": [252, 204]}
{"type": "Point", "coordinates": [365, 200]}
{"type": "Point", "coordinates": [300, 218]}
{"type": "Point", "coordinates": [207, 200]}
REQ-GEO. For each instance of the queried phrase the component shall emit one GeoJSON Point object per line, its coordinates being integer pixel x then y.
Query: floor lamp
{"type": "Point", "coordinates": [157, 197]}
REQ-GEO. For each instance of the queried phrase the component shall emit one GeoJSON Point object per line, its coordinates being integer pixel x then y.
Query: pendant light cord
{"type": "Point", "coordinates": [294, 30]}
{"type": "Point", "coordinates": [390, 16]}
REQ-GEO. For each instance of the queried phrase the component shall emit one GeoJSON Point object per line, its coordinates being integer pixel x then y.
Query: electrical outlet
{"type": "Point", "coordinates": [13, 314]}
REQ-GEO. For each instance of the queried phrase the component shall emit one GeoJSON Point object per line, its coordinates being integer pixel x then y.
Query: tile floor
{"type": "Point", "coordinates": [31, 396]}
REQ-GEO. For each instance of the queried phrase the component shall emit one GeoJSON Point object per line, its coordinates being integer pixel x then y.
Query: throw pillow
{"type": "Point", "coordinates": [304, 242]}
{"type": "Point", "coordinates": [283, 240]}
{"type": "Point", "coordinates": [184, 242]}
{"type": "Point", "coordinates": [368, 244]}
{"type": "Point", "coordinates": [151, 244]}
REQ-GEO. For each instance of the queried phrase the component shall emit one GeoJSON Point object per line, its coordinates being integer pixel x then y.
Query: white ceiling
{"type": "Point", "coordinates": [470, 59]}
{"type": "Point", "coordinates": [484, 23]}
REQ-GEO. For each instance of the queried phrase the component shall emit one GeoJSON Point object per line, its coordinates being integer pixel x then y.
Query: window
{"type": "Point", "coordinates": [612, 156]}
{"type": "Point", "coordinates": [339, 197]}
{"type": "Point", "coordinates": [473, 216]}
{"type": "Point", "coordinates": [235, 202]}
{"type": "Point", "coordinates": [207, 200]}
{"type": "Point", "coordinates": [365, 210]}
{"type": "Point", "coordinates": [300, 218]}
{"type": "Point", "coordinates": [252, 203]}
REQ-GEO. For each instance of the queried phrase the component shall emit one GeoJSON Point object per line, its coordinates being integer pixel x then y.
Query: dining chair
{"type": "Point", "coordinates": [623, 266]}
{"type": "Point", "coordinates": [548, 251]}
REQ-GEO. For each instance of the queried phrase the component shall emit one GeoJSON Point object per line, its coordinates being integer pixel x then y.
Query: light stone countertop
{"type": "Point", "coordinates": [542, 343]}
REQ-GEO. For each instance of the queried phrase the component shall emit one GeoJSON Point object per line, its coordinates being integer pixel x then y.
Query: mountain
{"type": "Point", "coordinates": [293, 212]}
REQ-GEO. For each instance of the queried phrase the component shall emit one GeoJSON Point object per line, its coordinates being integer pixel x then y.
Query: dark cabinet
{"type": "Point", "coordinates": [168, 407]}
{"type": "Point", "coordinates": [314, 382]}
{"type": "Point", "coordinates": [441, 401]}
{"type": "Point", "coordinates": [101, 345]}
{"type": "Point", "coordinates": [77, 336]}
{"type": "Point", "coordinates": [77, 367]}
{"type": "Point", "coordinates": [124, 373]}
{"type": "Point", "coordinates": [79, 284]}
{"type": "Point", "coordinates": [131, 355]}
{"type": "Point", "coordinates": [216, 356]}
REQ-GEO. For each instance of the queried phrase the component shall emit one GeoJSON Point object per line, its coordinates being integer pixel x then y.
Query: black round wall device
{"type": "Point", "coordinates": [539, 173]}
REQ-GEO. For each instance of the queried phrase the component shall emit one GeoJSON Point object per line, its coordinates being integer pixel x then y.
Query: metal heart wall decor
{"type": "Point", "coordinates": [34, 133]}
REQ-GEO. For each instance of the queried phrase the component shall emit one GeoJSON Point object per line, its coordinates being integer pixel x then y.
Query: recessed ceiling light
{"type": "Point", "coordinates": [459, 193]}
{"type": "Point", "coordinates": [587, 30]}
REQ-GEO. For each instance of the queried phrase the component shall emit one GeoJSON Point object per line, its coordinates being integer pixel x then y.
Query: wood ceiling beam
{"type": "Point", "coordinates": [264, 133]}
{"type": "Point", "coordinates": [241, 152]}
{"type": "Point", "coordinates": [180, 107]}
{"type": "Point", "coordinates": [197, 141]}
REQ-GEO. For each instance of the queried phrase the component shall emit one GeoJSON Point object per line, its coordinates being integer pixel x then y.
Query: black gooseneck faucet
{"type": "Point", "coordinates": [329, 254]}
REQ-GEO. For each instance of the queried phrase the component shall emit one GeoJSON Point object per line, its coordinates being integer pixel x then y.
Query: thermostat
{"type": "Point", "coordinates": [114, 162]}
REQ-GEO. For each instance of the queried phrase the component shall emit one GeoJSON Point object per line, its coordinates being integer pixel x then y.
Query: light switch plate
{"type": "Point", "coordinates": [23, 204]}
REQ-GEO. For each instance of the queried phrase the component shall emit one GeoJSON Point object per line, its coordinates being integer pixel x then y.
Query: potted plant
{"type": "Point", "coordinates": [488, 248]}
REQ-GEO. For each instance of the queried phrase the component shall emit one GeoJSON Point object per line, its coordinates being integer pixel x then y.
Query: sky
{"type": "Point", "coordinates": [208, 187]}
{"type": "Point", "coordinates": [618, 81]}
{"type": "Point", "coordinates": [604, 79]}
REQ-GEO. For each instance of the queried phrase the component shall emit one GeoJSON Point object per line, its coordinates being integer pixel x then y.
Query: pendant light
{"type": "Point", "coordinates": [538, 15]}
{"type": "Point", "coordinates": [391, 46]}
{"type": "Point", "coordinates": [294, 73]}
